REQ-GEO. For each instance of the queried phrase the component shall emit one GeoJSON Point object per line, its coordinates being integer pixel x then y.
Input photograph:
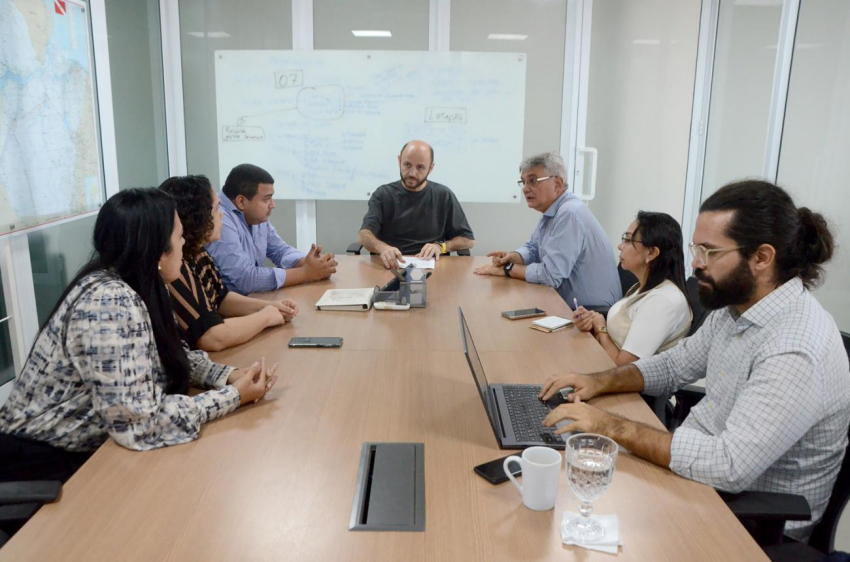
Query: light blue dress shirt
{"type": "Point", "coordinates": [570, 251]}
{"type": "Point", "coordinates": [242, 250]}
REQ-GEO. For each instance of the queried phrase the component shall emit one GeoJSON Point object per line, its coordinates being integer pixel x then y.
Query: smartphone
{"type": "Point", "coordinates": [315, 342]}
{"type": "Point", "coordinates": [494, 471]}
{"type": "Point", "coordinates": [524, 313]}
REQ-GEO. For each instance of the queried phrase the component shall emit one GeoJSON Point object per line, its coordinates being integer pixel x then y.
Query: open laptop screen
{"type": "Point", "coordinates": [478, 372]}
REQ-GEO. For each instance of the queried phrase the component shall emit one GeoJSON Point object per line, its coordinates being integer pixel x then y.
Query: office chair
{"type": "Point", "coordinates": [20, 500]}
{"type": "Point", "coordinates": [627, 279]}
{"type": "Point", "coordinates": [764, 513]}
{"type": "Point", "coordinates": [700, 314]}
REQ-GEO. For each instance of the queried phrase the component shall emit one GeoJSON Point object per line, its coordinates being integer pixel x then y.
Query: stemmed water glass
{"type": "Point", "coordinates": [590, 461]}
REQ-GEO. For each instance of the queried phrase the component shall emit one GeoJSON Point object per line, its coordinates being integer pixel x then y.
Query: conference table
{"type": "Point", "coordinates": [276, 480]}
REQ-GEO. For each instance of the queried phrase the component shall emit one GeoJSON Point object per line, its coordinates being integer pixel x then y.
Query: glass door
{"type": "Point", "coordinates": [635, 93]}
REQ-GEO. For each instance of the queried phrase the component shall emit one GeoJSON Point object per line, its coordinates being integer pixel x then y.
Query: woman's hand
{"type": "Point", "coordinates": [583, 319]}
{"type": "Point", "coordinates": [254, 382]}
{"type": "Point", "coordinates": [287, 308]}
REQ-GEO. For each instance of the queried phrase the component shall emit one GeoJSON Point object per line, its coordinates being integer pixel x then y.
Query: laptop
{"type": "Point", "coordinates": [515, 413]}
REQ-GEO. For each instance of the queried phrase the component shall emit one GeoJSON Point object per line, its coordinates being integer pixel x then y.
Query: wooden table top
{"type": "Point", "coordinates": [276, 480]}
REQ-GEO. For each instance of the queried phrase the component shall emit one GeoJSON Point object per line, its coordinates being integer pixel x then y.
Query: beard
{"type": "Point", "coordinates": [738, 287]}
{"type": "Point", "coordinates": [415, 187]}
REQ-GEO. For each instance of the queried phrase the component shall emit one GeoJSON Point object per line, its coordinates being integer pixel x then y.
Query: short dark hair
{"type": "Point", "coordinates": [193, 197]}
{"type": "Point", "coordinates": [765, 214]}
{"type": "Point", "coordinates": [244, 180]}
{"type": "Point", "coordinates": [431, 148]}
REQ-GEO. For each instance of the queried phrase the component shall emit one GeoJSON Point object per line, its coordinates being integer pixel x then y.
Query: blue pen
{"type": "Point", "coordinates": [575, 302]}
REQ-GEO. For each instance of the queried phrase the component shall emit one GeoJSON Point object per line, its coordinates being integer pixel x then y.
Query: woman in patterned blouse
{"type": "Point", "coordinates": [109, 361]}
{"type": "Point", "coordinates": [209, 316]}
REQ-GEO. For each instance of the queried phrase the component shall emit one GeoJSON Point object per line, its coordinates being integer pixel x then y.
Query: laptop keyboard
{"type": "Point", "coordinates": [527, 413]}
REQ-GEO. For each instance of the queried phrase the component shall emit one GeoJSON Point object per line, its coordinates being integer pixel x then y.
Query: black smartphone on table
{"type": "Point", "coordinates": [494, 471]}
{"type": "Point", "coordinates": [315, 342]}
{"type": "Point", "coordinates": [523, 313]}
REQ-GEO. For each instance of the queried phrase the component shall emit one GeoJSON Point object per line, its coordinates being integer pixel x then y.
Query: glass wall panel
{"type": "Point", "coordinates": [639, 101]}
{"type": "Point", "coordinates": [7, 366]}
{"type": "Point", "coordinates": [135, 65]}
{"type": "Point", "coordinates": [210, 25]}
{"type": "Point", "coordinates": [56, 254]}
{"type": "Point", "coordinates": [337, 222]}
{"type": "Point", "coordinates": [537, 29]}
{"type": "Point", "coordinates": [744, 61]}
{"type": "Point", "coordinates": [814, 165]}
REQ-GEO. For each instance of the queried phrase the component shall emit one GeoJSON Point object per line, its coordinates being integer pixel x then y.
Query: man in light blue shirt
{"type": "Point", "coordinates": [247, 239]}
{"type": "Point", "coordinates": [568, 250]}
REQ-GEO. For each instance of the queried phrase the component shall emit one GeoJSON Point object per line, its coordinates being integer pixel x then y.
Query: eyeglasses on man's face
{"type": "Point", "coordinates": [534, 182]}
{"type": "Point", "coordinates": [703, 254]}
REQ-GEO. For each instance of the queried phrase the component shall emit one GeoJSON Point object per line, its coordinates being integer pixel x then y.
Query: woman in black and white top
{"type": "Point", "coordinates": [209, 316]}
{"type": "Point", "coordinates": [109, 361]}
{"type": "Point", "coordinates": [655, 313]}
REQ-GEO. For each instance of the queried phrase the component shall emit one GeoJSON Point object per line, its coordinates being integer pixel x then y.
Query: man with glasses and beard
{"type": "Point", "coordinates": [414, 216]}
{"type": "Point", "coordinates": [777, 403]}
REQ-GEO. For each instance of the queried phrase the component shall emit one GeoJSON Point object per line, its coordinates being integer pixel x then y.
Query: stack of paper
{"type": "Point", "coordinates": [418, 263]}
{"type": "Point", "coordinates": [346, 299]}
{"type": "Point", "coordinates": [550, 324]}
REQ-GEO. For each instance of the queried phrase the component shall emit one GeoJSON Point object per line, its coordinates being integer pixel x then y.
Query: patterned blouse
{"type": "Point", "coordinates": [196, 297]}
{"type": "Point", "coordinates": [94, 373]}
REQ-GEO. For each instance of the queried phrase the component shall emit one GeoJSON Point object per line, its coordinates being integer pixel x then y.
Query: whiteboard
{"type": "Point", "coordinates": [330, 124]}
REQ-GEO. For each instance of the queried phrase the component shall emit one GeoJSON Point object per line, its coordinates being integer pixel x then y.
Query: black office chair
{"type": "Point", "coordinates": [627, 280]}
{"type": "Point", "coordinates": [700, 314]}
{"type": "Point", "coordinates": [764, 513]}
{"type": "Point", "coordinates": [356, 247]}
{"type": "Point", "coordinates": [20, 500]}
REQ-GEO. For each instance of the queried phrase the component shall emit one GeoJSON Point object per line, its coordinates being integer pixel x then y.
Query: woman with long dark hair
{"type": "Point", "coordinates": [109, 361]}
{"type": "Point", "coordinates": [655, 313]}
{"type": "Point", "coordinates": [208, 315]}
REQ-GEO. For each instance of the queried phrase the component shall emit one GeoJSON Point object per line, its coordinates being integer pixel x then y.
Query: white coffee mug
{"type": "Point", "coordinates": [541, 469]}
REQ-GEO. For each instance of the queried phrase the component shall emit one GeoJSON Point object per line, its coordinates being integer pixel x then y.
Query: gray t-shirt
{"type": "Point", "coordinates": [408, 220]}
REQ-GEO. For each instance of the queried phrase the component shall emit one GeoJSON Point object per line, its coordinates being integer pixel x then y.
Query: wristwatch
{"type": "Point", "coordinates": [597, 331]}
{"type": "Point", "coordinates": [508, 269]}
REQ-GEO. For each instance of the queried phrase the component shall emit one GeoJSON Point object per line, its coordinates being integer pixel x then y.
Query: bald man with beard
{"type": "Point", "coordinates": [414, 216]}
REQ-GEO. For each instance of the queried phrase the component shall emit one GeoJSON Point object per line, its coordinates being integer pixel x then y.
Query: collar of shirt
{"type": "Point", "coordinates": [230, 208]}
{"type": "Point", "coordinates": [553, 208]}
{"type": "Point", "coordinates": [761, 313]}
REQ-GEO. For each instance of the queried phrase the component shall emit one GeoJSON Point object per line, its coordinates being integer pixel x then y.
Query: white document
{"type": "Point", "coordinates": [551, 323]}
{"type": "Point", "coordinates": [418, 263]}
{"type": "Point", "coordinates": [346, 299]}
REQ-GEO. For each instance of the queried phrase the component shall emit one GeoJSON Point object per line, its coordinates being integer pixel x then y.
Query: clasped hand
{"type": "Point", "coordinates": [254, 382]}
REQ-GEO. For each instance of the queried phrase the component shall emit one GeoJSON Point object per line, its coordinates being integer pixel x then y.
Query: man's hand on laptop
{"type": "Point", "coordinates": [584, 386]}
{"type": "Point", "coordinates": [587, 418]}
{"type": "Point", "coordinates": [391, 256]}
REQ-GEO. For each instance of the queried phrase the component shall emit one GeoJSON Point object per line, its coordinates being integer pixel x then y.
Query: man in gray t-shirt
{"type": "Point", "coordinates": [413, 215]}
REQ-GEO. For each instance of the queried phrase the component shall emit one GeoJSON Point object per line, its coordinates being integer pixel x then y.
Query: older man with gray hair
{"type": "Point", "coordinates": [568, 250]}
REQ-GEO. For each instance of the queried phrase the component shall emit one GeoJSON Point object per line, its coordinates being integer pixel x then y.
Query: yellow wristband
{"type": "Point", "coordinates": [443, 246]}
